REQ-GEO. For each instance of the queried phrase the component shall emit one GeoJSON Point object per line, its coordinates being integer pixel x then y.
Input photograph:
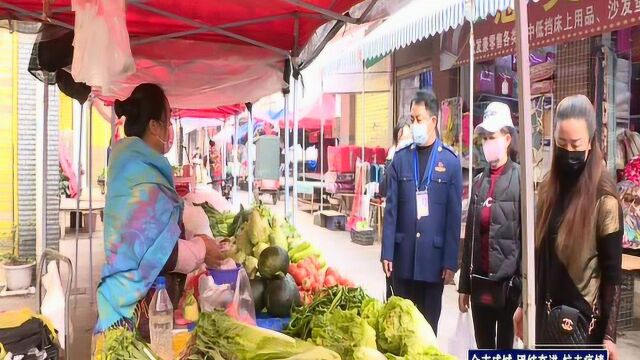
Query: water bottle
{"type": "Point", "coordinates": [161, 321]}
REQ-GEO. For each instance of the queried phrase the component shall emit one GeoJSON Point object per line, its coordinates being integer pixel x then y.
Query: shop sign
{"type": "Point", "coordinates": [552, 22]}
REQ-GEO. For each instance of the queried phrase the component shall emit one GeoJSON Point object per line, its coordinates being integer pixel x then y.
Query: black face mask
{"type": "Point", "coordinates": [571, 163]}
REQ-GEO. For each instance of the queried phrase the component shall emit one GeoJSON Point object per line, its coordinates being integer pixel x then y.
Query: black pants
{"type": "Point", "coordinates": [493, 328]}
{"type": "Point", "coordinates": [425, 295]}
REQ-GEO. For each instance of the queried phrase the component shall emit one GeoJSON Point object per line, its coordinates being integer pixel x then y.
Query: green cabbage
{"type": "Point", "coordinates": [251, 266]}
{"type": "Point", "coordinates": [370, 311]}
{"type": "Point", "coordinates": [218, 336]}
{"type": "Point", "coordinates": [258, 249]}
{"type": "Point", "coordinates": [258, 225]}
{"type": "Point", "coordinates": [365, 353]}
{"type": "Point", "coordinates": [343, 332]}
{"type": "Point", "coordinates": [403, 331]}
{"type": "Point", "coordinates": [243, 242]}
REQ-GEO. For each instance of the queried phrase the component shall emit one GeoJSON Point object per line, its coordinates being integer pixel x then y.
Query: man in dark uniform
{"type": "Point", "coordinates": [422, 216]}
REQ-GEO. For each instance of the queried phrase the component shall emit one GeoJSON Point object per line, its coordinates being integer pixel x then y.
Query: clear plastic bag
{"type": "Point", "coordinates": [237, 302]}
{"type": "Point", "coordinates": [213, 296]}
{"type": "Point", "coordinates": [463, 338]}
{"type": "Point", "coordinates": [242, 307]}
{"type": "Point", "coordinates": [102, 53]}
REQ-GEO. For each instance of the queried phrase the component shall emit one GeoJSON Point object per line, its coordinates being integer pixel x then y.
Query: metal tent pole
{"type": "Point", "coordinates": [295, 143]}
{"type": "Point", "coordinates": [224, 150]}
{"type": "Point", "coordinates": [471, 10]}
{"type": "Point", "coordinates": [79, 185]}
{"type": "Point", "coordinates": [42, 245]}
{"type": "Point", "coordinates": [364, 123]}
{"type": "Point", "coordinates": [235, 161]}
{"type": "Point", "coordinates": [321, 145]}
{"type": "Point", "coordinates": [526, 174]}
{"type": "Point", "coordinates": [250, 147]}
{"type": "Point", "coordinates": [287, 184]}
{"type": "Point", "coordinates": [90, 180]}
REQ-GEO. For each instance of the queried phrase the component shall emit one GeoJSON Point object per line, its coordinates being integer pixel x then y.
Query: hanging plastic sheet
{"type": "Point", "coordinates": [102, 54]}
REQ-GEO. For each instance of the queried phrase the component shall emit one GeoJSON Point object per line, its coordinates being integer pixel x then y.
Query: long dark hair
{"type": "Point", "coordinates": [577, 223]}
{"type": "Point", "coordinates": [147, 102]}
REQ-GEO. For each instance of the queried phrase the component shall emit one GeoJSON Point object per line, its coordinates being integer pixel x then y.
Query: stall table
{"type": "Point", "coordinates": [70, 206]}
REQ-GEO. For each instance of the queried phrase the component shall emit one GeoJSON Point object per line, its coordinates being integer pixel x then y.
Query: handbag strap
{"type": "Point", "coordinates": [545, 268]}
{"type": "Point", "coordinates": [473, 224]}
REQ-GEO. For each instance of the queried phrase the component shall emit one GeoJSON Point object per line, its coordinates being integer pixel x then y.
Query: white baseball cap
{"type": "Point", "coordinates": [497, 115]}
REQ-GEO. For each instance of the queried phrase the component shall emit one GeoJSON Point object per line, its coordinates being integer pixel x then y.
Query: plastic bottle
{"type": "Point", "coordinates": [161, 321]}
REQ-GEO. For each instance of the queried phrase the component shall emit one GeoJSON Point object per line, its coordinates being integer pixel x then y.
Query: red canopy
{"type": "Point", "coordinates": [268, 23]}
{"type": "Point", "coordinates": [312, 117]}
{"type": "Point", "coordinates": [208, 53]}
{"type": "Point", "coordinates": [221, 112]}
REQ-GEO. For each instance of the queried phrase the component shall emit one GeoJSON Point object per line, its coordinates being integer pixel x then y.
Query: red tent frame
{"type": "Point", "coordinates": [282, 26]}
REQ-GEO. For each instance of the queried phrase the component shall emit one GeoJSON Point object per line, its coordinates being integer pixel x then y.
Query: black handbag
{"type": "Point", "coordinates": [562, 324]}
{"type": "Point", "coordinates": [489, 292]}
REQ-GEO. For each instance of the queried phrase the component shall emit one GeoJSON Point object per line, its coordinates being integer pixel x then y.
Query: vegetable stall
{"type": "Point", "coordinates": [304, 309]}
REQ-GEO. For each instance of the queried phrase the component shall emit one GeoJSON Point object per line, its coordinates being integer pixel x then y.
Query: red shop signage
{"type": "Point", "coordinates": [551, 22]}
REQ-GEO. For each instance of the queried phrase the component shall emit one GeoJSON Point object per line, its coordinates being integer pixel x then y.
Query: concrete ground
{"type": "Point", "coordinates": [359, 263]}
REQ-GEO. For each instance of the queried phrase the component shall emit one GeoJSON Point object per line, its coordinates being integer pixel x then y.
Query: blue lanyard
{"type": "Point", "coordinates": [432, 161]}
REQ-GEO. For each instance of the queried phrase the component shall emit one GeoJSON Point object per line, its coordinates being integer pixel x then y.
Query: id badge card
{"type": "Point", "coordinates": [422, 202]}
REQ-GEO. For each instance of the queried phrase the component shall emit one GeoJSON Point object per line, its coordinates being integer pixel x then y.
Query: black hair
{"type": "Point", "coordinates": [147, 102]}
{"type": "Point", "coordinates": [212, 143]}
{"type": "Point", "coordinates": [402, 122]}
{"type": "Point", "coordinates": [428, 99]}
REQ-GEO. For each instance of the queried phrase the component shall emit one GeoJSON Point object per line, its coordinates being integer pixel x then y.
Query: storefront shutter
{"type": "Point", "coordinates": [377, 120]}
{"type": "Point", "coordinates": [27, 103]}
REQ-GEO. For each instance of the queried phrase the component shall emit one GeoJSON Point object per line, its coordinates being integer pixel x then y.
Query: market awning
{"type": "Point", "coordinates": [312, 117]}
{"type": "Point", "coordinates": [222, 112]}
{"type": "Point", "coordinates": [421, 19]}
{"type": "Point", "coordinates": [224, 51]}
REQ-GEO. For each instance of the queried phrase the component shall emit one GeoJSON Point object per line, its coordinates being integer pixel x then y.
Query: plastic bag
{"type": "Point", "coordinates": [242, 307]}
{"type": "Point", "coordinates": [196, 221]}
{"type": "Point", "coordinates": [53, 302]}
{"type": "Point", "coordinates": [517, 343]}
{"type": "Point", "coordinates": [237, 302]}
{"type": "Point", "coordinates": [463, 338]}
{"type": "Point", "coordinates": [213, 296]}
{"type": "Point", "coordinates": [102, 53]}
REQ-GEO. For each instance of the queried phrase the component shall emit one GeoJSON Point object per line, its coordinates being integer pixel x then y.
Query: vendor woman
{"type": "Point", "coordinates": [142, 214]}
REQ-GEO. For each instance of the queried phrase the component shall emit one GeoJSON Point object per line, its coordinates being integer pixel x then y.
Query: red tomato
{"type": "Point", "coordinates": [330, 281]}
{"type": "Point", "coordinates": [306, 284]}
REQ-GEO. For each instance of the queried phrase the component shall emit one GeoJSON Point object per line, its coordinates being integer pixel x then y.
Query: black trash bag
{"type": "Point", "coordinates": [71, 88]}
{"type": "Point", "coordinates": [52, 51]}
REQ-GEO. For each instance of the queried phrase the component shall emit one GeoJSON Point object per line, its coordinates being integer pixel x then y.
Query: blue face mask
{"type": "Point", "coordinates": [420, 133]}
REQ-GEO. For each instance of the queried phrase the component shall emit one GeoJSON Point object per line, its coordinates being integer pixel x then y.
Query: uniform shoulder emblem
{"type": "Point", "coordinates": [449, 149]}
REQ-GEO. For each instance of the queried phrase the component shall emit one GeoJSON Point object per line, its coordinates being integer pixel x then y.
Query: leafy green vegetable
{"type": "Point", "coordinates": [259, 248]}
{"type": "Point", "coordinates": [366, 353]}
{"type": "Point", "coordinates": [403, 331]}
{"type": "Point", "coordinates": [122, 344]}
{"type": "Point", "coordinates": [243, 242]}
{"type": "Point", "coordinates": [221, 223]}
{"type": "Point", "coordinates": [371, 309]}
{"type": "Point", "coordinates": [219, 337]}
{"type": "Point", "coordinates": [343, 332]}
{"type": "Point", "coordinates": [278, 238]}
{"type": "Point", "coordinates": [326, 301]}
{"type": "Point", "coordinates": [251, 266]}
{"type": "Point", "coordinates": [259, 225]}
